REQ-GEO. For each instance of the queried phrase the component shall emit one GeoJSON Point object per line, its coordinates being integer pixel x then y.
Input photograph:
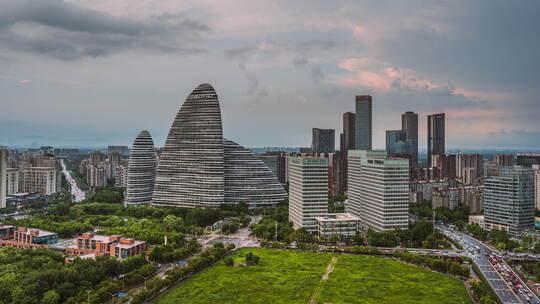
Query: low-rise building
{"type": "Point", "coordinates": [23, 238]}
{"type": "Point", "coordinates": [477, 219]}
{"type": "Point", "coordinates": [6, 231]}
{"type": "Point", "coordinates": [337, 224]}
{"type": "Point", "coordinates": [113, 245]}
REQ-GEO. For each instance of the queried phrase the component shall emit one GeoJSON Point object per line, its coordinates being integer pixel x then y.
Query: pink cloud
{"type": "Point", "coordinates": [25, 81]}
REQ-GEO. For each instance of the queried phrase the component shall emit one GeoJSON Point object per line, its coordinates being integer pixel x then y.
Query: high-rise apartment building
{"type": "Point", "coordinates": [464, 161]}
{"type": "Point", "coordinates": [96, 176]}
{"type": "Point", "coordinates": [308, 191]}
{"type": "Point", "coordinates": [115, 158]}
{"type": "Point", "coordinates": [528, 159]}
{"type": "Point", "coordinates": [436, 135]}
{"type": "Point", "coordinates": [378, 190]}
{"type": "Point", "coordinates": [509, 199]}
{"type": "Point", "coordinates": [141, 170]}
{"type": "Point", "coordinates": [3, 176]}
{"type": "Point", "coordinates": [363, 122]}
{"type": "Point", "coordinates": [12, 180]}
{"type": "Point", "coordinates": [445, 165]}
{"type": "Point", "coordinates": [409, 123]}
{"type": "Point", "coordinates": [39, 179]}
{"type": "Point", "coordinates": [397, 144]}
{"type": "Point", "coordinates": [323, 140]}
{"type": "Point", "coordinates": [96, 158]}
{"type": "Point", "coordinates": [504, 160]}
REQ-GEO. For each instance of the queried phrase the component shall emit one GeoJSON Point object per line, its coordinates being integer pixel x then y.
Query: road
{"type": "Point", "coordinates": [78, 194]}
{"type": "Point", "coordinates": [495, 275]}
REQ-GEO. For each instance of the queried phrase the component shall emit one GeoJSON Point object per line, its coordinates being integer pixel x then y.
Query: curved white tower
{"type": "Point", "coordinates": [190, 170]}
{"type": "Point", "coordinates": [141, 170]}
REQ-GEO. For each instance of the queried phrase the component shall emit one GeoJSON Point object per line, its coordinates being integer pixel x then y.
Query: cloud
{"type": "Point", "coordinates": [23, 81]}
{"type": "Point", "coordinates": [253, 87]}
{"type": "Point", "coordinates": [61, 30]}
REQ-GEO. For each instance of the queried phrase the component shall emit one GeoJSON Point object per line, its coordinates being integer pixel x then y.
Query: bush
{"type": "Point", "coordinates": [229, 261]}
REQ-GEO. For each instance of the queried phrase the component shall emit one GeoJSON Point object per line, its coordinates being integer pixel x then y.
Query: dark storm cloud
{"type": "Point", "coordinates": [64, 31]}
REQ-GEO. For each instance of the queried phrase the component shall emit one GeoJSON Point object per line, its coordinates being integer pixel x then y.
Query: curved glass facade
{"type": "Point", "coordinates": [141, 170]}
{"type": "Point", "coordinates": [248, 179]}
{"type": "Point", "coordinates": [190, 170]}
{"type": "Point", "coordinates": [198, 168]}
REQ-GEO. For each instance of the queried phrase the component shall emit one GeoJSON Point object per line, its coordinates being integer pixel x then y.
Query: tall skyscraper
{"type": "Point", "coordinates": [3, 176]}
{"type": "Point", "coordinates": [397, 144]}
{"type": "Point", "coordinates": [348, 139]}
{"type": "Point", "coordinates": [363, 124]}
{"type": "Point", "coordinates": [141, 173]}
{"type": "Point", "coordinates": [193, 169]}
{"type": "Point", "coordinates": [509, 199]}
{"type": "Point", "coordinates": [349, 131]}
{"type": "Point", "coordinates": [308, 191]}
{"type": "Point", "coordinates": [323, 140]}
{"type": "Point", "coordinates": [378, 190]}
{"type": "Point", "coordinates": [436, 136]}
{"type": "Point", "coordinates": [409, 123]}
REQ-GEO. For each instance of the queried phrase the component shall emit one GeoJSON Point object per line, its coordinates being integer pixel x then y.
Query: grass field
{"type": "Point", "coordinates": [295, 277]}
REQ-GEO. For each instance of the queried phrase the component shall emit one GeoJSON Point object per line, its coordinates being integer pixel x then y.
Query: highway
{"type": "Point", "coordinates": [78, 194]}
{"type": "Point", "coordinates": [497, 272]}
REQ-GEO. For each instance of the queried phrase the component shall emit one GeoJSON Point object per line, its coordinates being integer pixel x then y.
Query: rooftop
{"type": "Point", "coordinates": [337, 217]}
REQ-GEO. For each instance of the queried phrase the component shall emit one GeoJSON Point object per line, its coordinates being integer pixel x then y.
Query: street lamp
{"type": "Point", "coordinates": [88, 293]}
{"type": "Point", "coordinates": [112, 296]}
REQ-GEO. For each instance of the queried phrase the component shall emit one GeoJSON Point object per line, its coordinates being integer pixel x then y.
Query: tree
{"type": "Point", "coordinates": [431, 242]}
{"type": "Point", "coordinates": [173, 222]}
{"type": "Point", "coordinates": [460, 225]}
{"type": "Point", "coordinates": [51, 297]}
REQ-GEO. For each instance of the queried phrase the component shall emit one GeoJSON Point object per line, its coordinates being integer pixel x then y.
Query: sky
{"type": "Point", "coordinates": [77, 73]}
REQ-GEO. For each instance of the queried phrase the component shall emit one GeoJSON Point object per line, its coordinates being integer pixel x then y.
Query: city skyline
{"type": "Point", "coordinates": [426, 58]}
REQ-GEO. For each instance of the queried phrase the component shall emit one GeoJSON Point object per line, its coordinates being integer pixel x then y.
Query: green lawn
{"type": "Point", "coordinates": [295, 277]}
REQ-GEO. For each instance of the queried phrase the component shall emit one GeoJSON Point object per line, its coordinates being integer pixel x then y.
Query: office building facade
{"type": "Point", "coordinates": [192, 171]}
{"type": "Point", "coordinates": [528, 159]}
{"type": "Point", "coordinates": [323, 140]}
{"type": "Point", "coordinates": [464, 161]}
{"type": "Point", "coordinates": [3, 177]}
{"type": "Point", "coordinates": [141, 173]}
{"type": "Point", "coordinates": [505, 160]}
{"type": "Point", "coordinates": [397, 144]}
{"type": "Point", "coordinates": [436, 135]}
{"type": "Point", "coordinates": [409, 123]}
{"type": "Point", "coordinates": [363, 122]}
{"type": "Point", "coordinates": [308, 191]}
{"type": "Point", "coordinates": [509, 199]}
{"type": "Point", "coordinates": [378, 190]}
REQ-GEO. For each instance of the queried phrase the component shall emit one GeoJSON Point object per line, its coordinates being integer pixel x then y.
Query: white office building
{"type": "Point", "coordinates": [509, 199]}
{"type": "Point", "coordinates": [378, 189]}
{"type": "Point", "coordinates": [537, 186]}
{"type": "Point", "coordinates": [308, 191]}
{"type": "Point", "coordinates": [3, 176]}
